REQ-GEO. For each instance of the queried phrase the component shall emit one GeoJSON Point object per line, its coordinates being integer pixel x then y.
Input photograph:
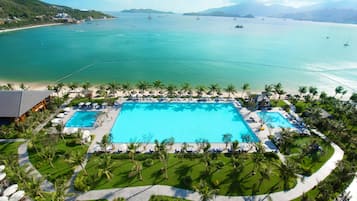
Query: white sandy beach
{"type": "Point", "coordinates": [29, 27]}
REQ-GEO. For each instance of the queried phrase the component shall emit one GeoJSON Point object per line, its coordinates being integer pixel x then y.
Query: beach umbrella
{"type": "Point", "coordinates": [17, 196]}
{"type": "Point", "coordinates": [4, 198]}
{"type": "Point", "coordinates": [80, 104]}
{"type": "Point", "coordinates": [2, 168]}
{"type": "Point", "coordinates": [67, 109]}
{"type": "Point", "coordinates": [10, 190]}
{"type": "Point", "coordinates": [88, 103]}
{"type": "Point", "coordinates": [2, 176]}
{"type": "Point", "coordinates": [60, 115]}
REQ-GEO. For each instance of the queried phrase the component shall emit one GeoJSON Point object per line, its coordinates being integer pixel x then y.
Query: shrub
{"type": "Point", "coordinates": [81, 183]}
{"type": "Point", "coordinates": [187, 181]}
{"type": "Point", "coordinates": [271, 155]}
{"type": "Point", "coordinates": [148, 162]}
{"type": "Point", "coordinates": [220, 164]}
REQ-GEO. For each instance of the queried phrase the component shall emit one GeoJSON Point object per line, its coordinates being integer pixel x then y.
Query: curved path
{"type": "Point", "coordinates": [144, 192]}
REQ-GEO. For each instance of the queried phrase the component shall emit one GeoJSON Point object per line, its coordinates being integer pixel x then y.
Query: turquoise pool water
{"type": "Point", "coordinates": [83, 119]}
{"type": "Point", "coordinates": [275, 120]}
{"type": "Point", "coordinates": [185, 122]}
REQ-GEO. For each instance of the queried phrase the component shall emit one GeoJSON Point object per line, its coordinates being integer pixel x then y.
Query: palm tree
{"type": "Point", "coordinates": [23, 86]}
{"type": "Point", "coordinates": [287, 172]}
{"type": "Point", "coordinates": [171, 89]}
{"type": "Point", "coordinates": [302, 90]}
{"type": "Point", "coordinates": [105, 142]}
{"type": "Point", "coordinates": [245, 87]}
{"type": "Point", "coordinates": [158, 85]}
{"type": "Point", "coordinates": [112, 87]}
{"type": "Point", "coordinates": [268, 89]}
{"type": "Point", "coordinates": [142, 86]}
{"type": "Point", "coordinates": [264, 175]}
{"type": "Point", "coordinates": [137, 170]}
{"type": "Point", "coordinates": [126, 87]}
{"type": "Point", "coordinates": [105, 167]}
{"type": "Point", "coordinates": [200, 90]}
{"type": "Point", "coordinates": [231, 89]}
{"type": "Point", "coordinates": [77, 159]}
{"type": "Point", "coordinates": [60, 191]}
{"type": "Point", "coordinates": [205, 191]}
{"type": "Point", "coordinates": [132, 147]}
{"type": "Point", "coordinates": [344, 92]}
{"type": "Point", "coordinates": [48, 153]}
{"type": "Point", "coordinates": [161, 150]}
{"type": "Point", "coordinates": [313, 91]}
{"type": "Point", "coordinates": [9, 87]}
{"type": "Point", "coordinates": [32, 187]}
{"type": "Point", "coordinates": [227, 138]}
{"type": "Point", "coordinates": [353, 97]}
{"type": "Point", "coordinates": [214, 88]}
{"type": "Point", "coordinates": [235, 146]}
{"type": "Point", "coordinates": [339, 90]}
{"type": "Point", "coordinates": [186, 88]}
{"type": "Point", "coordinates": [73, 86]}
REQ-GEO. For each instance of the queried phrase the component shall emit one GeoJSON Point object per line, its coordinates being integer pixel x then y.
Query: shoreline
{"type": "Point", "coordinates": [29, 27]}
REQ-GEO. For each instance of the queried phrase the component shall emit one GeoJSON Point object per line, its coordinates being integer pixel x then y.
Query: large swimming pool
{"type": "Point", "coordinates": [83, 119]}
{"type": "Point", "coordinates": [185, 122]}
{"type": "Point", "coordinates": [275, 120]}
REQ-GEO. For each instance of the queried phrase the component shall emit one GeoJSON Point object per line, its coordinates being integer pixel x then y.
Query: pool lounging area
{"type": "Point", "coordinates": [83, 119]}
{"type": "Point", "coordinates": [275, 120]}
{"type": "Point", "coordinates": [185, 122]}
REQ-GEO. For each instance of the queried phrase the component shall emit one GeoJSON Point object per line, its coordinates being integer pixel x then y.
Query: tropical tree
{"type": "Point", "coordinates": [339, 90]}
{"type": "Point", "coordinates": [86, 86]}
{"type": "Point", "coordinates": [245, 88]}
{"type": "Point", "coordinates": [278, 89]}
{"type": "Point", "coordinates": [105, 166]}
{"type": "Point", "coordinates": [60, 191]}
{"type": "Point", "coordinates": [32, 187]}
{"type": "Point", "coordinates": [23, 86]}
{"type": "Point", "coordinates": [125, 88]}
{"type": "Point", "coordinates": [214, 88]}
{"type": "Point", "coordinates": [268, 89]}
{"type": "Point", "coordinates": [287, 172]}
{"type": "Point", "coordinates": [171, 89]}
{"type": "Point", "coordinates": [105, 142]}
{"type": "Point", "coordinates": [9, 87]}
{"type": "Point", "coordinates": [158, 85]}
{"type": "Point", "coordinates": [323, 95]}
{"type": "Point", "coordinates": [112, 87]}
{"type": "Point", "coordinates": [186, 88]}
{"type": "Point", "coordinates": [132, 148]}
{"type": "Point", "coordinates": [302, 90]}
{"type": "Point", "coordinates": [231, 89]}
{"type": "Point", "coordinates": [353, 98]}
{"type": "Point", "coordinates": [227, 138]}
{"type": "Point", "coordinates": [344, 92]}
{"type": "Point", "coordinates": [313, 91]}
{"type": "Point", "coordinates": [142, 86]}
{"type": "Point", "coordinates": [72, 85]}
{"type": "Point", "coordinates": [200, 90]}
{"type": "Point", "coordinates": [235, 146]}
{"type": "Point", "coordinates": [137, 170]}
{"type": "Point", "coordinates": [162, 150]}
{"type": "Point", "coordinates": [102, 91]}
{"type": "Point", "coordinates": [76, 158]}
{"type": "Point", "coordinates": [205, 191]}
{"type": "Point", "coordinates": [48, 153]}
{"type": "Point", "coordinates": [265, 174]}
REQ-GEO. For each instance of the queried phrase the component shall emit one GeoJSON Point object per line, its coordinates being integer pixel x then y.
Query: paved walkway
{"type": "Point", "coordinates": [32, 171]}
{"type": "Point", "coordinates": [143, 193]}
{"type": "Point", "coordinates": [352, 189]}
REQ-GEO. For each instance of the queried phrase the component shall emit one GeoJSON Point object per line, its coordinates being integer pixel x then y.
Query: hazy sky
{"type": "Point", "coordinates": [170, 5]}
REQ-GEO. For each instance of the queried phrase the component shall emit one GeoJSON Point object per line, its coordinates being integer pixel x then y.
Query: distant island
{"type": "Point", "coordinates": [220, 14]}
{"type": "Point", "coordinates": [146, 11]}
{"type": "Point", "coordinates": [337, 11]}
{"type": "Point", "coordinates": [19, 13]}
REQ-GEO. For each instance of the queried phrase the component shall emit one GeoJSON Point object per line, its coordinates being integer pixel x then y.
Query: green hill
{"type": "Point", "coordinates": [17, 13]}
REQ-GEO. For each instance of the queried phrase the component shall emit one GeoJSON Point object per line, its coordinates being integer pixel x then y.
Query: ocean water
{"type": "Point", "coordinates": [177, 49]}
{"type": "Point", "coordinates": [185, 122]}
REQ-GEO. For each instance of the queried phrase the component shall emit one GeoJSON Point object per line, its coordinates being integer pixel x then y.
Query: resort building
{"type": "Point", "coordinates": [262, 101]}
{"type": "Point", "coordinates": [14, 105]}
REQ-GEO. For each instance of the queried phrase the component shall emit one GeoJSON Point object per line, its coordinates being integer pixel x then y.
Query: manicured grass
{"type": "Point", "coordinates": [226, 180]}
{"type": "Point", "coordinates": [62, 169]}
{"type": "Point", "coordinates": [278, 103]}
{"type": "Point", "coordinates": [8, 150]}
{"type": "Point", "coordinates": [313, 162]}
{"type": "Point", "coordinates": [165, 198]}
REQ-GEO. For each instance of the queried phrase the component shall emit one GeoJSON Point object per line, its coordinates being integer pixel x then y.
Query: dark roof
{"type": "Point", "coordinates": [17, 103]}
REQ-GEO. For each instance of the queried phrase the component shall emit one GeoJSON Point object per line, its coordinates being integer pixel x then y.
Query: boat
{"type": "Point", "coordinates": [235, 19]}
{"type": "Point", "coordinates": [198, 18]}
{"type": "Point", "coordinates": [239, 26]}
{"type": "Point", "coordinates": [346, 44]}
{"type": "Point", "coordinates": [149, 17]}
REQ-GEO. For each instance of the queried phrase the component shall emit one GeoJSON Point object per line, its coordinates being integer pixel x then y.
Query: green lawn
{"type": "Point", "coordinates": [165, 198]}
{"type": "Point", "coordinates": [9, 150]}
{"type": "Point", "coordinates": [278, 103]}
{"type": "Point", "coordinates": [227, 181]}
{"type": "Point", "coordinates": [310, 163]}
{"type": "Point", "coordinates": [62, 169]}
